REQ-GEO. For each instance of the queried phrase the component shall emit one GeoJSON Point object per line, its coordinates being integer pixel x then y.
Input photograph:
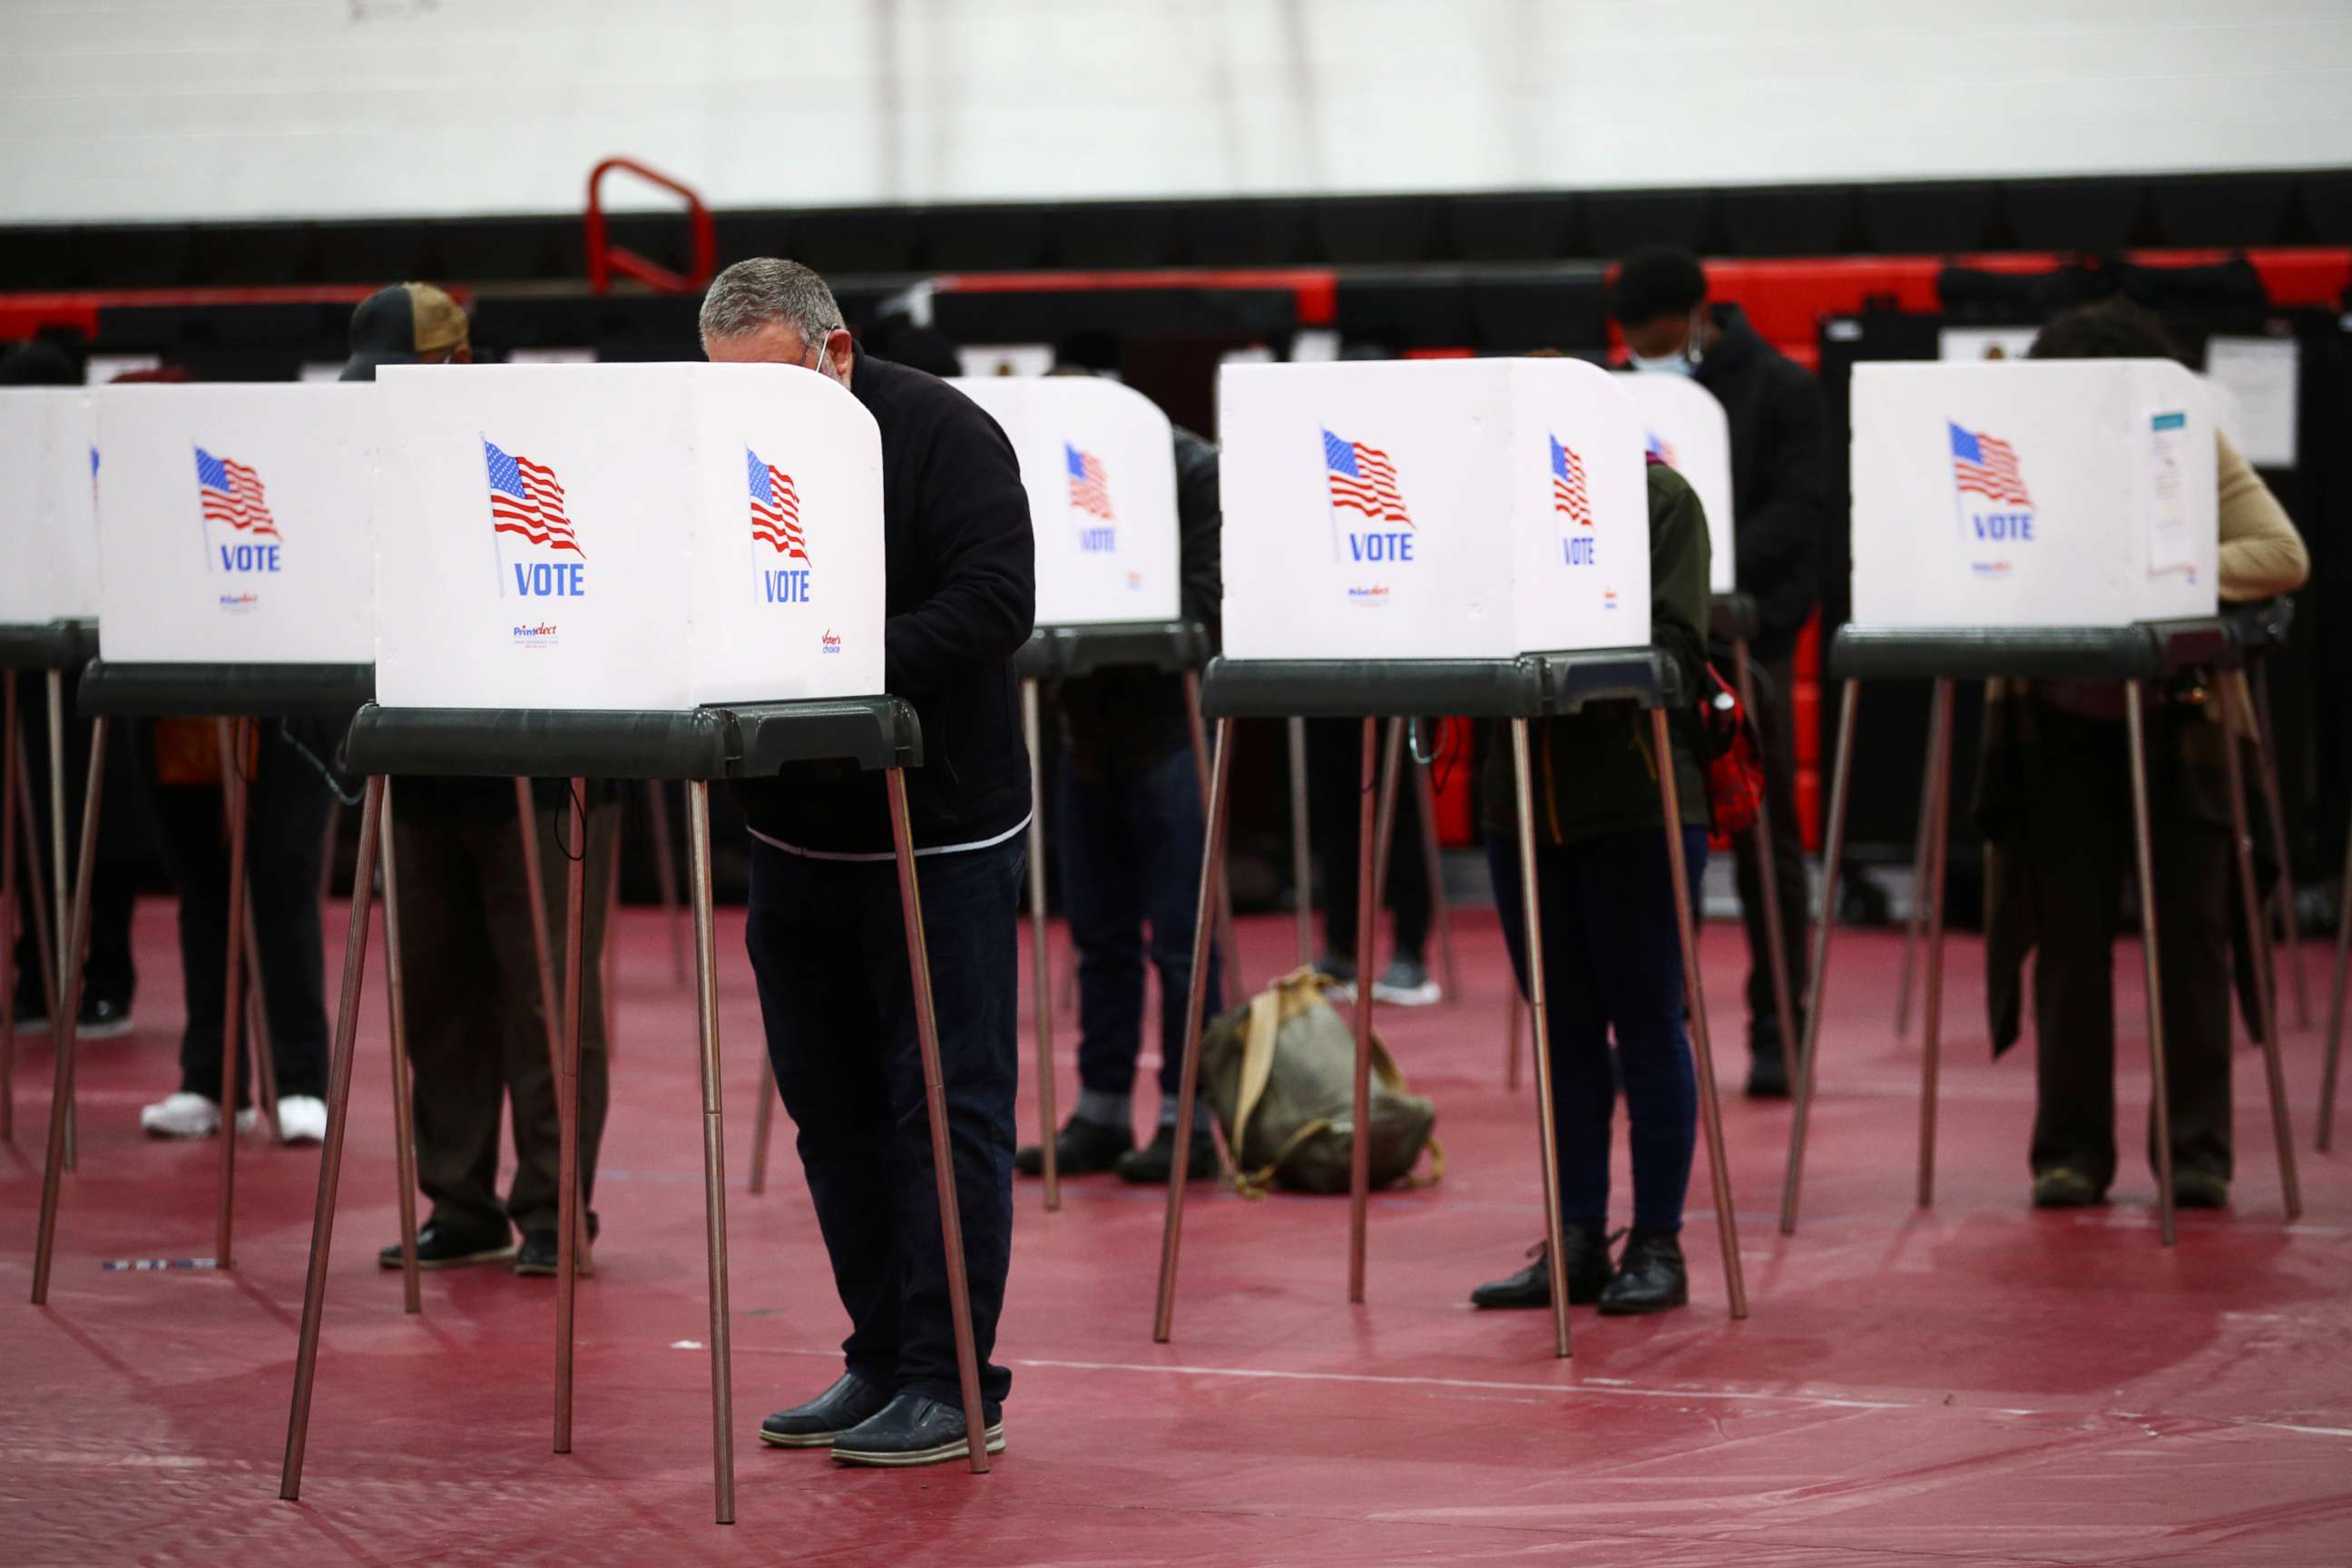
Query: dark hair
{"type": "Point", "coordinates": [1656, 280]}
{"type": "Point", "coordinates": [38, 363]}
{"type": "Point", "coordinates": [2114, 328]}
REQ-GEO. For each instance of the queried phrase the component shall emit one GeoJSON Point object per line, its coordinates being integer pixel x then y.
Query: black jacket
{"type": "Point", "coordinates": [962, 595]}
{"type": "Point", "coordinates": [1779, 480]}
{"type": "Point", "coordinates": [1132, 718]}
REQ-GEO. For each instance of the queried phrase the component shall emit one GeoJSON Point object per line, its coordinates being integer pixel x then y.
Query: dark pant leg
{"type": "Point", "coordinates": [283, 844]}
{"type": "Point", "coordinates": [810, 923]}
{"type": "Point", "coordinates": [529, 1075]}
{"type": "Point", "coordinates": [188, 820]}
{"type": "Point", "coordinates": [1169, 831]}
{"type": "Point", "coordinates": [1584, 1095]}
{"type": "Point", "coordinates": [1105, 898]}
{"type": "Point", "coordinates": [970, 909]}
{"type": "Point", "coordinates": [2077, 835]}
{"type": "Point", "coordinates": [123, 845]}
{"type": "Point", "coordinates": [450, 986]}
{"type": "Point", "coordinates": [1775, 728]}
{"type": "Point", "coordinates": [1634, 953]}
{"type": "Point", "coordinates": [2195, 907]}
{"type": "Point", "coordinates": [1334, 768]}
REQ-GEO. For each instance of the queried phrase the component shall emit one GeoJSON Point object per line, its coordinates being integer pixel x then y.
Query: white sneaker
{"type": "Point", "coordinates": [247, 1119]}
{"type": "Point", "coordinates": [182, 1115]}
{"type": "Point", "coordinates": [302, 1119]}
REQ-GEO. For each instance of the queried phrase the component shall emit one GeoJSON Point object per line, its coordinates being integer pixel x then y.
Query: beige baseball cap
{"type": "Point", "coordinates": [402, 325]}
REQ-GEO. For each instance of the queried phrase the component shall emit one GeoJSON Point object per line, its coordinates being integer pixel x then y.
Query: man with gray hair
{"type": "Point", "coordinates": [824, 923]}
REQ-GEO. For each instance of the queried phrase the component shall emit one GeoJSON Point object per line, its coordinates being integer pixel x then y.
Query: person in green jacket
{"type": "Point", "coordinates": [1613, 960]}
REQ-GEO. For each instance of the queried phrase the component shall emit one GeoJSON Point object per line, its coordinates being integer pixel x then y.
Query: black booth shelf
{"type": "Point", "coordinates": [1532, 686]}
{"type": "Point", "coordinates": [48, 644]}
{"type": "Point", "coordinates": [739, 740]}
{"type": "Point", "coordinates": [1069, 652]}
{"type": "Point", "coordinates": [332, 692]}
{"type": "Point", "coordinates": [2147, 650]}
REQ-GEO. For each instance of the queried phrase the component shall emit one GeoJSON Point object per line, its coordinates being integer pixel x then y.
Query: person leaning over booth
{"type": "Point", "coordinates": [2054, 800]}
{"type": "Point", "coordinates": [1613, 955]}
{"type": "Point", "coordinates": [824, 930]}
{"type": "Point", "coordinates": [476, 1020]}
{"type": "Point", "coordinates": [1780, 506]}
{"type": "Point", "coordinates": [1130, 834]}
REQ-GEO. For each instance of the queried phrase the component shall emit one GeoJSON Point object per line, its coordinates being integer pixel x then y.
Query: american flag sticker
{"type": "Point", "coordinates": [527, 500]}
{"type": "Point", "coordinates": [775, 508]}
{"type": "Point", "coordinates": [1658, 446]}
{"type": "Point", "coordinates": [1090, 485]}
{"type": "Point", "coordinates": [1568, 497]}
{"type": "Point", "coordinates": [230, 493]}
{"type": "Point", "coordinates": [1986, 467]}
{"type": "Point", "coordinates": [1363, 480]}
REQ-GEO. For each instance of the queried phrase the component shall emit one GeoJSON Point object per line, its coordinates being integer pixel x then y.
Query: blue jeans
{"type": "Point", "coordinates": [1130, 847]}
{"type": "Point", "coordinates": [829, 949]}
{"type": "Point", "coordinates": [1613, 963]}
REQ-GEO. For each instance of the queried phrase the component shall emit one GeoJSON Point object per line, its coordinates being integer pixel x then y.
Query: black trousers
{"type": "Point", "coordinates": [2079, 832]}
{"type": "Point", "coordinates": [477, 1032]}
{"type": "Point", "coordinates": [1775, 727]}
{"type": "Point", "coordinates": [1335, 765]}
{"type": "Point", "coordinates": [122, 849]}
{"type": "Point", "coordinates": [286, 803]}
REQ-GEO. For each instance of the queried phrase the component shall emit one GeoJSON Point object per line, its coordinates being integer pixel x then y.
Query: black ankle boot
{"type": "Point", "coordinates": [1650, 1275]}
{"type": "Point", "coordinates": [1082, 1149]}
{"type": "Point", "coordinates": [1585, 1251]}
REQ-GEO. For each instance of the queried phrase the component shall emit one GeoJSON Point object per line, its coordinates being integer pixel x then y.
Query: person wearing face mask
{"type": "Point", "coordinates": [824, 929]}
{"type": "Point", "coordinates": [1781, 516]}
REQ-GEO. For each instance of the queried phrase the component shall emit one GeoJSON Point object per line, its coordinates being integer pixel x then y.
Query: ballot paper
{"type": "Point", "coordinates": [2262, 377]}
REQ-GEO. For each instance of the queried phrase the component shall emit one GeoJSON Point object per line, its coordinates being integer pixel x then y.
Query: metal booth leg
{"type": "Point", "coordinates": [1433, 857]}
{"type": "Point", "coordinates": [330, 1157]}
{"type": "Point", "coordinates": [714, 1150]}
{"type": "Point", "coordinates": [21, 829]}
{"type": "Point", "coordinates": [231, 733]}
{"type": "Point", "coordinates": [1384, 816]}
{"type": "Point", "coordinates": [1833, 851]}
{"type": "Point", "coordinates": [1227, 943]}
{"type": "Point", "coordinates": [61, 890]}
{"type": "Point", "coordinates": [1188, 1081]}
{"type": "Point", "coordinates": [1776, 945]}
{"type": "Point", "coordinates": [542, 948]}
{"type": "Point", "coordinates": [1302, 857]}
{"type": "Point", "coordinates": [666, 873]}
{"type": "Point", "coordinates": [608, 956]}
{"type": "Point", "coordinates": [1368, 898]}
{"type": "Point", "coordinates": [73, 938]}
{"type": "Point", "coordinates": [8, 906]}
{"type": "Point", "coordinates": [1041, 965]}
{"type": "Point", "coordinates": [1928, 830]}
{"type": "Point", "coordinates": [569, 1220]}
{"type": "Point", "coordinates": [927, 1038]}
{"type": "Point", "coordinates": [1931, 1037]}
{"type": "Point", "coordinates": [2335, 1057]}
{"type": "Point", "coordinates": [2144, 861]}
{"type": "Point", "coordinates": [396, 997]}
{"type": "Point", "coordinates": [257, 1026]}
{"type": "Point", "coordinates": [1701, 1046]}
{"type": "Point", "coordinates": [1539, 1009]}
{"type": "Point", "coordinates": [2265, 982]}
{"type": "Point", "coordinates": [2290, 924]}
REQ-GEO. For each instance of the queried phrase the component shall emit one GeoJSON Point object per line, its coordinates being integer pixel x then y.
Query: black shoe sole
{"type": "Point", "coordinates": [461, 1261]}
{"type": "Point", "coordinates": [939, 1453]}
{"type": "Point", "coordinates": [586, 1269]}
{"type": "Point", "coordinates": [1643, 1308]}
{"type": "Point", "coordinates": [801, 1440]}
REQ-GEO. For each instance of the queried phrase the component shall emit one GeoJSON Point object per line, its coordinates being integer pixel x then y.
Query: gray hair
{"type": "Point", "coordinates": [768, 289]}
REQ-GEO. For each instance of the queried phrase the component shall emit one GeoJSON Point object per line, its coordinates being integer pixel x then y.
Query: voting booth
{"type": "Point", "coordinates": [2034, 520]}
{"type": "Point", "coordinates": [1098, 461]}
{"type": "Point", "coordinates": [624, 572]}
{"type": "Point", "coordinates": [49, 596]}
{"type": "Point", "coordinates": [1683, 427]}
{"type": "Point", "coordinates": [1451, 536]}
{"type": "Point", "coordinates": [234, 582]}
{"type": "Point", "coordinates": [642, 536]}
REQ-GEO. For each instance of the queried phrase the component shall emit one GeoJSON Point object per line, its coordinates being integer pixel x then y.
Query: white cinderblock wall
{"type": "Point", "coordinates": [225, 109]}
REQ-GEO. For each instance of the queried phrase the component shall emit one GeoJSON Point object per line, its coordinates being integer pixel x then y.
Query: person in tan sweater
{"type": "Point", "coordinates": [2053, 801]}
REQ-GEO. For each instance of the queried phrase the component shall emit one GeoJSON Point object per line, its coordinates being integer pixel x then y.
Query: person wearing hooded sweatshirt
{"type": "Point", "coordinates": [1781, 518]}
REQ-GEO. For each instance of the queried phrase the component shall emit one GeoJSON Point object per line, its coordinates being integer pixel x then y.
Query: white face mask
{"type": "Point", "coordinates": [1675, 363]}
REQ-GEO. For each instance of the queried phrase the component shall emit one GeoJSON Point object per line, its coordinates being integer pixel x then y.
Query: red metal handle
{"type": "Point", "coordinates": [604, 258]}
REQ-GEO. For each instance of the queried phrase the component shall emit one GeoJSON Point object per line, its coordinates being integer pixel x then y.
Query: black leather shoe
{"type": "Point", "coordinates": [1767, 1076]}
{"type": "Point", "coordinates": [2199, 1189]}
{"type": "Point", "coordinates": [914, 1429]}
{"type": "Point", "coordinates": [1083, 1148]}
{"type": "Point", "coordinates": [539, 1256]}
{"type": "Point", "coordinates": [2066, 1187]}
{"type": "Point", "coordinates": [1650, 1276]}
{"type": "Point", "coordinates": [821, 1420]}
{"type": "Point", "coordinates": [438, 1246]}
{"type": "Point", "coordinates": [1586, 1253]}
{"type": "Point", "coordinates": [1151, 1164]}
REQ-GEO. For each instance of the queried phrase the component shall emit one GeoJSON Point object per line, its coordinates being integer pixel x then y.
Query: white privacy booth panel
{"type": "Point", "coordinates": [233, 524]}
{"type": "Point", "coordinates": [1683, 427]}
{"type": "Point", "coordinates": [1439, 508]}
{"type": "Point", "coordinates": [49, 516]}
{"type": "Point", "coordinates": [1098, 461]}
{"type": "Point", "coordinates": [2032, 493]}
{"type": "Point", "coordinates": [635, 536]}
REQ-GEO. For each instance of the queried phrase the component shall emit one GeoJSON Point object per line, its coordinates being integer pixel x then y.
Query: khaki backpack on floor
{"type": "Point", "coordinates": [1280, 1073]}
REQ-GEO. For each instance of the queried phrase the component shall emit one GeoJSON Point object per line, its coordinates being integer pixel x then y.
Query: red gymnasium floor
{"type": "Point", "coordinates": [1976, 1384]}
